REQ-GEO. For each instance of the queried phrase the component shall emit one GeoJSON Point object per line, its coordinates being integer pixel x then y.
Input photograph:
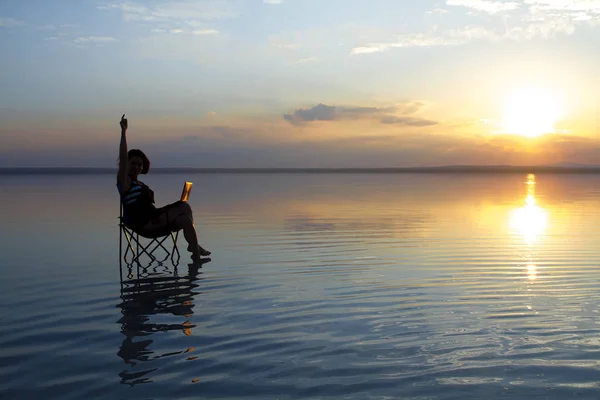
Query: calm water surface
{"type": "Point", "coordinates": [361, 286]}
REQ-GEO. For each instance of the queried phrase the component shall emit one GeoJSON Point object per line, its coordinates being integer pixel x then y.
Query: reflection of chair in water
{"type": "Point", "coordinates": [142, 298]}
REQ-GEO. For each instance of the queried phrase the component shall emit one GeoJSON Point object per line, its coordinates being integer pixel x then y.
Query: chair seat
{"type": "Point", "coordinates": [154, 234]}
{"type": "Point", "coordinates": [156, 237]}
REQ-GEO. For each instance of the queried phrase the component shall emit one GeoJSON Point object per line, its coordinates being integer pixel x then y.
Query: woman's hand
{"type": "Point", "coordinates": [122, 174]}
{"type": "Point", "coordinates": [123, 123]}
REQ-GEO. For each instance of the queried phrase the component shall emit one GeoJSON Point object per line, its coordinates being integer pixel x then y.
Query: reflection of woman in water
{"type": "Point", "coordinates": [139, 212]}
{"type": "Point", "coordinates": [142, 299]}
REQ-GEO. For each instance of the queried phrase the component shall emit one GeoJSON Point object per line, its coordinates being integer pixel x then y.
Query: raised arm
{"type": "Point", "coordinates": [122, 174]}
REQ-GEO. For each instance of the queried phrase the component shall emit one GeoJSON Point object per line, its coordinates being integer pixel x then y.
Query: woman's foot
{"type": "Point", "coordinates": [199, 252]}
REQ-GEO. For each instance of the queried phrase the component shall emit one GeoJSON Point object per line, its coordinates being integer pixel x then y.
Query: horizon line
{"type": "Point", "coordinates": [555, 168]}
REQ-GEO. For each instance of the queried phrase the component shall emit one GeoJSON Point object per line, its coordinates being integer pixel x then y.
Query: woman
{"type": "Point", "coordinates": [139, 212]}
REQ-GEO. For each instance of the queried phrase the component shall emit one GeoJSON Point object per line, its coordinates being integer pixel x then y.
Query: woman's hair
{"type": "Point", "coordinates": [138, 153]}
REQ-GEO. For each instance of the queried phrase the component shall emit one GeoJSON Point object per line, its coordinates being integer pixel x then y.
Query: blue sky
{"type": "Point", "coordinates": [295, 82]}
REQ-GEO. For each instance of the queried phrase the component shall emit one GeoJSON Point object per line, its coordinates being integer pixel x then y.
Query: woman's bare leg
{"type": "Point", "coordinates": [185, 221]}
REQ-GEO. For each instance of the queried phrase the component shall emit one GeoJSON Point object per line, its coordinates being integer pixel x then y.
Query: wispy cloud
{"type": "Point", "coordinates": [177, 17]}
{"type": "Point", "coordinates": [569, 5]}
{"type": "Point", "coordinates": [488, 6]}
{"type": "Point", "coordinates": [273, 1]}
{"type": "Point", "coordinates": [177, 31]}
{"type": "Point", "coordinates": [573, 12]}
{"type": "Point", "coordinates": [175, 11]}
{"type": "Point", "coordinates": [10, 22]}
{"type": "Point", "coordinates": [97, 41]}
{"type": "Point", "coordinates": [510, 20]}
{"type": "Point", "coordinates": [450, 37]}
{"type": "Point", "coordinates": [205, 32]}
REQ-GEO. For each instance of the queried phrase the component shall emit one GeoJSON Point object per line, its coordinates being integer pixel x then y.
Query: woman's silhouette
{"type": "Point", "coordinates": [139, 212]}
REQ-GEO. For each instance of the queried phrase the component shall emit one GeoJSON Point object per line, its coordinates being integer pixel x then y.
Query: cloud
{"type": "Point", "coordinates": [175, 11]}
{"type": "Point", "coordinates": [273, 1]}
{"type": "Point", "coordinates": [564, 12]}
{"type": "Point", "coordinates": [98, 40]}
{"type": "Point", "coordinates": [450, 37]}
{"type": "Point", "coordinates": [319, 112]}
{"type": "Point", "coordinates": [10, 22]}
{"type": "Point", "coordinates": [178, 19]}
{"type": "Point", "coordinates": [529, 19]}
{"type": "Point", "coordinates": [488, 6]}
{"type": "Point", "coordinates": [406, 121]}
{"type": "Point", "coordinates": [179, 31]}
{"type": "Point", "coordinates": [205, 32]}
{"type": "Point", "coordinates": [387, 115]}
{"type": "Point", "coordinates": [568, 5]}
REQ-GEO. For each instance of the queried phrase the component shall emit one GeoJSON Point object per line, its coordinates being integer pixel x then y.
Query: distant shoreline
{"type": "Point", "coordinates": [457, 169]}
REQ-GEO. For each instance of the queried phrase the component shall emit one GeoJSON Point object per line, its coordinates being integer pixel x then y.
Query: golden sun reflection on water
{"type": "Point", "coordinates": [531, 271]}
{"type": "Point", "coordinates": [530, 220]}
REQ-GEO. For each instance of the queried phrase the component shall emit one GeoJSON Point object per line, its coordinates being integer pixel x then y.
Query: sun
{"type": "Point", "coordinates": [531, 112]}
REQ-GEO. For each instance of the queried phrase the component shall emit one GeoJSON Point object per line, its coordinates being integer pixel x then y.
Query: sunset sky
{"type": "Point", "coordinates": [300, 83]}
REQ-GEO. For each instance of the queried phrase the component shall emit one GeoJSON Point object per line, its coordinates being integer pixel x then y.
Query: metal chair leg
{"type": "Point", "coordinates": [137, 249]}
{"type": "Point", "coordinates": [175, 249]}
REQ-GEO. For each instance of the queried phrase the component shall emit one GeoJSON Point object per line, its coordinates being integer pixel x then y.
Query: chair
{"type": "Point", "coordinates": [137, 248]}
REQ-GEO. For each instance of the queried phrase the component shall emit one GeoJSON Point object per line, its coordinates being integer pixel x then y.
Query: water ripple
{"type": "Point", "coordinates": [343, 293]}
